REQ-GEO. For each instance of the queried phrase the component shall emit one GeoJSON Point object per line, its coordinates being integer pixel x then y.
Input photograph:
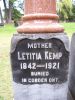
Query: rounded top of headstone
{"type": "Point", "coordinates": [40, 16]}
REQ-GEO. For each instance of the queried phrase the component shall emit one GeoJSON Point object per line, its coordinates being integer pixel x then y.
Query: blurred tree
{"type": "Point", "coordinates": [16, 17]}
{"type": "Point", "coordinates": [65, 10]}
{"type": "Point", "coordinates": [73, 10]}
{"type": "Point", "coordinates": [8, 10]}
{"type": "Point", "coordinates": [16, 14]}
{"type": "Point", "coordinates": [1, 23]}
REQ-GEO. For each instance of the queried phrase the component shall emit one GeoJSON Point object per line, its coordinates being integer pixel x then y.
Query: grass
{"type": "Point", "coordinates": [69, 28]}
{"type": "Point", "coordinates": [7, 30]}
{"type": "Point", "coordinates": [6, 33]}
{"type": "Point", "coordinates": [5, 68]}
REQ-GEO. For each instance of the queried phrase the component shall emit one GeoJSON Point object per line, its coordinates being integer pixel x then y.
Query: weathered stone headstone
{"type": "Point", "coordinates": [40, 54]}
{"type": "Point", "coordinates": [72, 70]}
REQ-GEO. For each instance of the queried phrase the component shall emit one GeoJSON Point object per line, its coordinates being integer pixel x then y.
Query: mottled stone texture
{"type": "Point", "coordinates": [56, 91]}
{"type": "Point", "coordinates": [40, 6]}
{"type": "Point", "coordinates": [72, 70]}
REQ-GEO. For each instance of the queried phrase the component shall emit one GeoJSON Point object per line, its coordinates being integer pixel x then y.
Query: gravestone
{"type": "Point", "coordinates": [40, 54]}
{"type": "Point", "coordinates": [71, 94]}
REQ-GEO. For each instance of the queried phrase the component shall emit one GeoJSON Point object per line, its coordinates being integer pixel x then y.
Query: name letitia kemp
{"type": "Point", "coordinates": [38, 56]}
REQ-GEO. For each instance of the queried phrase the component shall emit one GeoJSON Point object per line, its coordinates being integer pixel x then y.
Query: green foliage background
{"type": "Point", "coordinates": [66, 10]}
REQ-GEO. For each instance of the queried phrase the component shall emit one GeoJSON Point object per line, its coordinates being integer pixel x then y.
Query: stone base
{"type": "Point", "coordinates": [56, 90]}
